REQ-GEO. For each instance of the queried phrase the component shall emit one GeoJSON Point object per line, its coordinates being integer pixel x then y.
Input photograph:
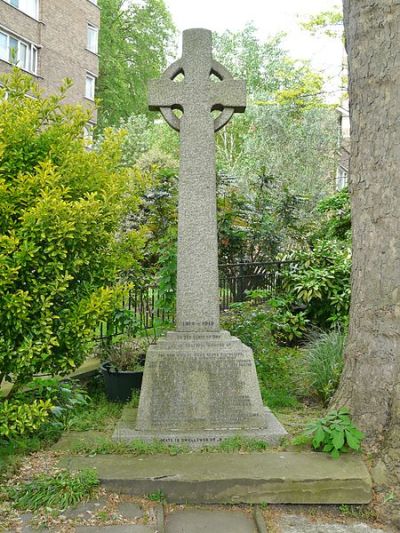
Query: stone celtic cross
{"type": "Point", "coordinates": [200, 383]}
{"type": "Point", "coordinates": [197, 96]}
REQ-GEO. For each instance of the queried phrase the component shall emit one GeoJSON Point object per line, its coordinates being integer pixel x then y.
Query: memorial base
{"type": "Point", "coordinates": [125, 431]}
{"type": "Point", "coordinates": [199, 389]}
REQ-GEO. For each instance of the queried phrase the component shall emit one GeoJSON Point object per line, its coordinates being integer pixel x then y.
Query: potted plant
{"type": "Point", "coordinates": [123, 368]}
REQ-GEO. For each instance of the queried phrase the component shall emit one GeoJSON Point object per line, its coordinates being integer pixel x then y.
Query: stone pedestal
{"type": "Point", "coordinates": [200, 388]}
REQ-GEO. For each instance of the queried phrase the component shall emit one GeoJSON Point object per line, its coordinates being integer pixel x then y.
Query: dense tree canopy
{"type": "Point", "coordinates": [134, 42]}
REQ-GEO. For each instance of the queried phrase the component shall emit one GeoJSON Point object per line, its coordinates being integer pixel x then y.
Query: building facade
{"type": "Point", "coordinates": [53, 40]}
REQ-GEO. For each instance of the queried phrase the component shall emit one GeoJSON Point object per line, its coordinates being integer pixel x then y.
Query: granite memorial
{"type": "Point", "coordinates": [200, 384]}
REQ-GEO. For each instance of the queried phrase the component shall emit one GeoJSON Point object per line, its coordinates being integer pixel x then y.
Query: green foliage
{"type": "Point", "coordinates": [99, 413]}
{"type": "Point", "coordinates": [60, 207]}
{"type": "Point", "coordinates": [323, 362]}
{"type": "Point", "coordinates": [60, 491]}
{"type": "Point", "coordinates": [337, 211]}
{"type": "Point", "coordinates": [18, 418]}
{"type": "Point", "coordinates": [276, 366]}
{"type": "Point", "coordinates": [329, 23]}
{"type": "Point", "coordinates": [126, 354]}
{"type": "Point", "coordinates": [335, 433]}
{"type": "Point", "coordinates": [157, 496]}
{"type": "Point", "coordinates": [321, 282]}
{"type": "Point", "coordinates": [134, 41]}
{"type": "Point", "coordinates": [43, 405]}
{"type": "Point", "coordinates": [167, 271]}
{"type": "Point", "coordinates": [239, 444]}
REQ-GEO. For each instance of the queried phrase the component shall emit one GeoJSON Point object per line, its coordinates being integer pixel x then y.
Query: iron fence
{"type": "Point", "coordinates": [144, 308]}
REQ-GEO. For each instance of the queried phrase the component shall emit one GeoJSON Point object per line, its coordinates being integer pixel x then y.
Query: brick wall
{"type": "Point", "coordinates": [61, 34]}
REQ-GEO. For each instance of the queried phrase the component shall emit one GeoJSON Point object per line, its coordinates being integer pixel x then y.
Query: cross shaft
{"type": "Point", "coordinates": [197, 95]}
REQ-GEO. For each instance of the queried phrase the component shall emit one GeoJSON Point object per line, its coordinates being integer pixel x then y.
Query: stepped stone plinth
{"type": "Point", "coordinates": [200, 388]}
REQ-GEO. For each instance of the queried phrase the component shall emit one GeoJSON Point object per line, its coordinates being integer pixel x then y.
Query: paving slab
{"type": "Point", "coordinates": [199, 521]}
{"type": "Point", "coordinates": [85, 509]}
{"type": "Point", "coordinates": [301, 524]}
{"type": "Point", "coordinates": [271, 477]}
{"type": "Point", "coordinates": [130, 510]}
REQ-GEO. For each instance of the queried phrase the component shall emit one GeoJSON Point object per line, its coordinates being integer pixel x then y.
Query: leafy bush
{"type": "Point", "coordinates": [276, 366]}
{"type": "Point", "coordinates": [323, 362]}
{"type": "Point", "coordinates": [60, 207]}
{"type": "Point", "coordinates": [335, 433]}
{"type": "Point", "coordinates": [321, 282]}
{"type": "Point", "coordinates": [43, 402]}
{"type": "Point", "coordinates": [18, 418]}
{"type": "Point", "coordinates": [56, 492]}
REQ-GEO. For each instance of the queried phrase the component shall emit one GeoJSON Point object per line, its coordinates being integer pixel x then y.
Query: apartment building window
{"type": "Point", "coordinates": [17, 52]}
{"type": "Point", "coordinates": [90, 86]}
{"type": "Point", "coordinates": [92, 38]}
{"type": "Point", "coordinates": [93, 2]}
{"type": "Point", "coordinates": [30, 7]}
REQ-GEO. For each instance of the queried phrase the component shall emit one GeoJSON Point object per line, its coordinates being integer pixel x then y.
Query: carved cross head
{"type": "Point", "coordinates": [197, 93]}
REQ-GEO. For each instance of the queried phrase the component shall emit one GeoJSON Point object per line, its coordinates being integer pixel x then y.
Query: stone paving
{"type": "Point", "coordinates": [185, 519]}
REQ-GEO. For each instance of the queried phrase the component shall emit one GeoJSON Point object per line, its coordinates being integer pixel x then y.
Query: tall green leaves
{"type": "Point", "coordinates": [135, 39]}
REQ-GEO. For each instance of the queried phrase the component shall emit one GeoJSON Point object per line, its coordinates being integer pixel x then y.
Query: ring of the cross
{"type": "Point", "coordinates": [219, 71]}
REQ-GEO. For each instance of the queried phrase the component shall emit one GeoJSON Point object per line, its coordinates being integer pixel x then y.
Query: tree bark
{"type": "Point", "coordinates": [370, 384]}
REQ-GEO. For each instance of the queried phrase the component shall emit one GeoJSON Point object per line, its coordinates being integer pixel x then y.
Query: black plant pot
{"type": "Point", "coordinates": [119, 385]}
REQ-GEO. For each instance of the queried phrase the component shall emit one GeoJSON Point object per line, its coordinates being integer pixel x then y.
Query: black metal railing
{"type": "Point", "coordinates": [144, 307]}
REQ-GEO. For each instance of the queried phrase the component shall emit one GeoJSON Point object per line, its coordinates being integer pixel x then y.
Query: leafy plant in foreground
{"type": "Point", "coordinates": [57, 492]}
{"type": "Point", "coordinates": [335, 433]}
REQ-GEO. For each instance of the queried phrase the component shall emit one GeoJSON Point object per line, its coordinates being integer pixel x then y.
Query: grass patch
{"type": "Point", "coordinates": [60, 491]}
{"type": "Point", "coordinates": [99, 413]}
{"type": "Point", "coordinates": [238, 444]}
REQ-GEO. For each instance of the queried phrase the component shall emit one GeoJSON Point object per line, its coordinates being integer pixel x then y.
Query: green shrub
{"type": "Point", "coordinates": [276, 365]}
{"type": "Point", "coordinates": [335, 433]}
{"type": "Point", "coordinates": [60, 491]}
{"type": "Point", "coordinates": [18, 418]}
{"type": "Point", "coordinates": [43, 404]}
{"type": "Point", "coordinates": [60, 207]}
{"type": "Point", "coordinates": [321, 282]}
{"type": "Point", "coordinates": [323, 362]}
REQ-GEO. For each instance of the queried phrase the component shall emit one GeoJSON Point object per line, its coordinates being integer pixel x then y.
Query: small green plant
{"type": "Point", "coordinates": [335, 433]}
{"type": "Point", "coordinates": [56, 492]}
{"type": "Point", "coordinates": [126, 355]}
{"type": "Point", "coordinates": [157, 496]}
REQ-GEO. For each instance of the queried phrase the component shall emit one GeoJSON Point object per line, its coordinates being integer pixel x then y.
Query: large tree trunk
{"type": "Point", "coordinates": [370, 385]}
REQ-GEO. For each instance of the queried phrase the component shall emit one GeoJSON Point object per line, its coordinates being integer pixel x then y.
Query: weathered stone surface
{"type": "Point", "coordinates": [301, 524]}
{"type": "Point", "coordinates": [197, 95]}
{"type": "Point", "coordinates": [204, 383]}
{"type": "Point", "coordinates": [85, 509]}
{"type": "Point", "coordinates": [198, 379]}
{"type": "Point", "coordinates": [273, 477]}
{"type": "Point", "coordinates": [125, 431]}
{"type": "Point", "coordinates": [200, 521]}
{"type": "Point", "coordinates": [130, 510]}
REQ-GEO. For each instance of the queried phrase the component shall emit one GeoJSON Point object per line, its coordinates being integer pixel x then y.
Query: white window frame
{"type": "Point", "coordinates": [34, 14]}
{"type": "Point", "coordinates": [92, 78]}
{"type": "Point", "coordinates": [95, 30]}
{"type": "Point", "coordinates": [30, 64]}
{"type": "Point", "coordinates": [93, 2]}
